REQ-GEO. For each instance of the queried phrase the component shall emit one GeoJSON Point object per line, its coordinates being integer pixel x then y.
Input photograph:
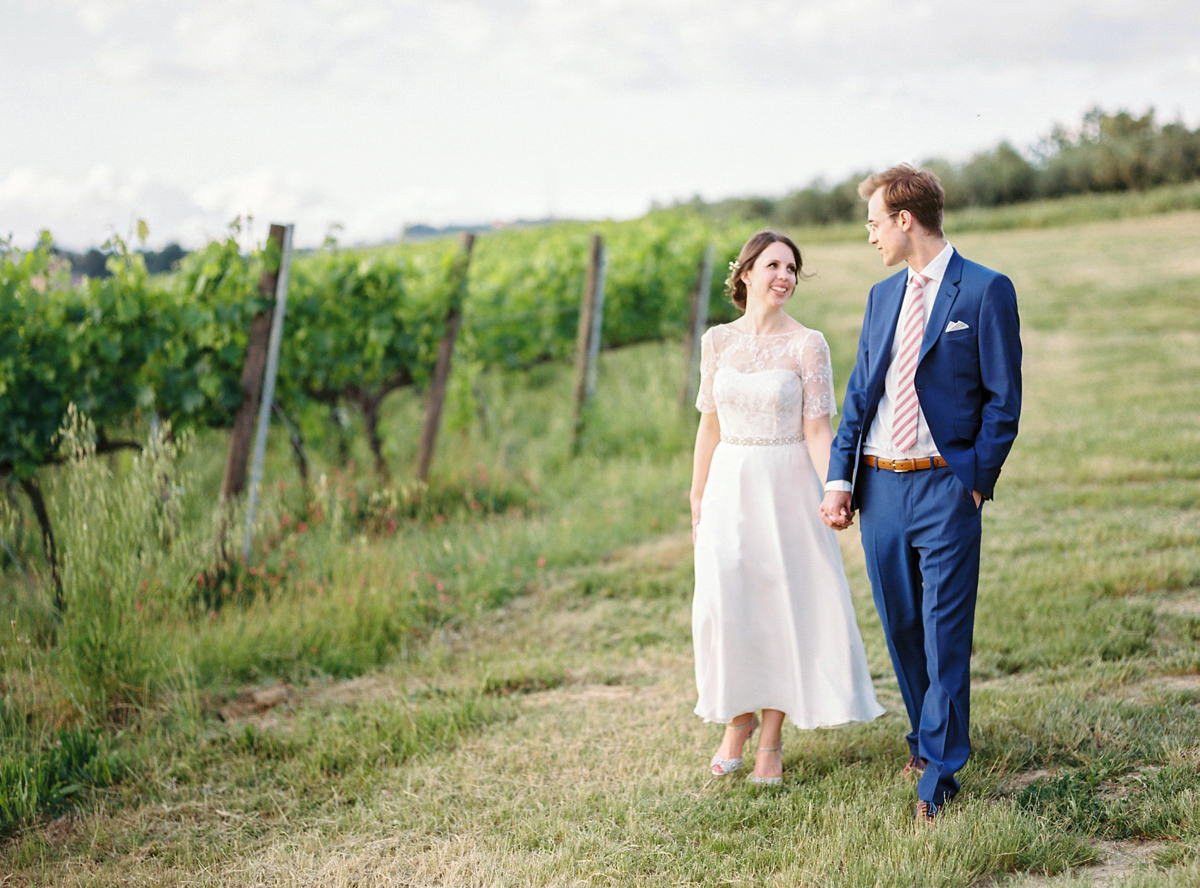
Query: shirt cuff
{"type": "Point", "coordinates": [844, 486]}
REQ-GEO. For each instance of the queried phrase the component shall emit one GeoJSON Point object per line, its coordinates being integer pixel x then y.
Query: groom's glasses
{"type": "Point", "coordinates": [872, 225]}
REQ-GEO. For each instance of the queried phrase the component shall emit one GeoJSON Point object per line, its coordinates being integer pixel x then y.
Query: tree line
{"type": "Point", "coordinates": [1105, 153]}
{"type": "Point", "coordinates": [94, 263]}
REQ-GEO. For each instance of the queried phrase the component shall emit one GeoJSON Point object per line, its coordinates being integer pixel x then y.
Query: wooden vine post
{"type": "Point", "coordinates": [34, 491]}
{"type": "Point", "coordinates": [697, 322]}
{"type": "Point", "coordinates": [267, 397]}
{"type": "Point", "coordinates": [441, 370]}
{"type": "Point", "coordinates": [241, 438]}
{"type": "Point", "coordinates": [587, 347]}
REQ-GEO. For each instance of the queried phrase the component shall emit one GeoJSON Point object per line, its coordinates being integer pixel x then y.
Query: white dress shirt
{"type": "Point", "coordinates": [878, 441]}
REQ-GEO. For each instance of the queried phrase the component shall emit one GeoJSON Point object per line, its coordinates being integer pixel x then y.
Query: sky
{"type": "Point", "coordinates": [358, 117]}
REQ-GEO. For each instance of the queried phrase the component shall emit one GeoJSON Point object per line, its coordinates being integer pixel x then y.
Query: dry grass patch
{"type": "Point", "coordinates": [1116, 863]}
{"type": "Point", "coordinates": [1186, 604]}
{"type": "Point", "coordinates": [665, 553]}
{"type": "Point", "coordinates": [1120, 859]}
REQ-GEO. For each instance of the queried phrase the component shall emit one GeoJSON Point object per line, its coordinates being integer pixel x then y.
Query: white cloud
{"type": "Point", "coordinates": [378, 113]}
{"type": "Point", "coordinates": [83, 211]}
{"type": "Point", "coordinates": [267, 196]}
{"type": "Point", "coordinates": [72, 207]}
{"type": "Point", "coordinates": [605, 45]}
{"type": "Point", "coordinates": [98, 15]}
{"type": "Point", "coordinates": [608, 40]}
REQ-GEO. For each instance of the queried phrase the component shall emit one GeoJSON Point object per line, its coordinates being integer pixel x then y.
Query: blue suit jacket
{"type": "Point", "coordinates": [968, 380]}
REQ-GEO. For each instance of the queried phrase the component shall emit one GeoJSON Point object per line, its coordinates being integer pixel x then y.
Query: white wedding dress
{"type": "Point", "coordinates": [772, 621]}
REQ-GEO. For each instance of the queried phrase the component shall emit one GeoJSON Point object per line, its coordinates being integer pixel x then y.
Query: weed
{"type": "Point", "coordinates": [48, 779]}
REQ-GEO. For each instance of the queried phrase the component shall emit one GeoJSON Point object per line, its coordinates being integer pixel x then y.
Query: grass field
{"type": "Point", "coordinates": [502, 695]}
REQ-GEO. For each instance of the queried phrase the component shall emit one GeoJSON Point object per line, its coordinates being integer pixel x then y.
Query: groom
{"type": "Point", "coordinates": [930, 414]}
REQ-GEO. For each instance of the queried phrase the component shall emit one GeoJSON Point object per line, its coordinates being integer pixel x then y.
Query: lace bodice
{"type": "Point", "coordinates": [765, 386]}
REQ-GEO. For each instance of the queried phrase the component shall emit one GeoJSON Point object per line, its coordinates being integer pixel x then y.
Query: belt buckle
{"type": "Point", "coordinates": [904, 465]}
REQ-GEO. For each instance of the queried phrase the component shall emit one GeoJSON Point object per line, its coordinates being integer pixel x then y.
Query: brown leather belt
{"type": "Point", "coordinates": [905, 465]}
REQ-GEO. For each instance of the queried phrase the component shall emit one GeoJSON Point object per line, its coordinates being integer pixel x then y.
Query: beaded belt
{"type": "Point", "coordinates": [755, 442]}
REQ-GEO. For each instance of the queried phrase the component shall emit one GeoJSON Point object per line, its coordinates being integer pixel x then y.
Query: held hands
{"type": "Point", "coordinates": [836, 510]}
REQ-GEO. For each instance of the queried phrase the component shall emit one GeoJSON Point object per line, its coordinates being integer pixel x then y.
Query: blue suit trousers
{"type": "Point", "coordinates": [921, 534]}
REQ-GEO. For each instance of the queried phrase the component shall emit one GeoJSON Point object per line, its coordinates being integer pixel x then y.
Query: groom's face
{"type": "Point", "coordinates": [885, 234]}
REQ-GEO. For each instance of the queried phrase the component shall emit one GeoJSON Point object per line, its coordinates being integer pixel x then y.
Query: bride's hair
{"type": "Point", "coordinates": [734, 285]}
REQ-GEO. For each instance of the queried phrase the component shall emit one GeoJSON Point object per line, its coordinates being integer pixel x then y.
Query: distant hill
{"type": "Point", "coordinates": [425, 232]}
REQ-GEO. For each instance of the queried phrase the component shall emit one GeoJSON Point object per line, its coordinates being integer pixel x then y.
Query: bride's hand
{"type": "Point", "coordinates": [695, 520]}
{"type": "Point", "coordinates": [836, 509]}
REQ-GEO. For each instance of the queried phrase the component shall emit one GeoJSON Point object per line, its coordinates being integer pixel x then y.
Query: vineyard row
{"type": "Point", "coordinates": [359, 324]}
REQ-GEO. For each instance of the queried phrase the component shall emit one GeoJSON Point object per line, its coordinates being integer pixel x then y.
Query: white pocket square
{"type": "Point", "coordinates": [956, 325]}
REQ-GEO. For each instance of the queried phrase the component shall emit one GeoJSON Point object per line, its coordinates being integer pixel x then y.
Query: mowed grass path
{"type": "Point", "coordinates": [576, 759]}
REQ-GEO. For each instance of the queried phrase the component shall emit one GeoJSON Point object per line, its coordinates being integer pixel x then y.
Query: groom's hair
{"type": "Point", "coordinates": [906, 187]}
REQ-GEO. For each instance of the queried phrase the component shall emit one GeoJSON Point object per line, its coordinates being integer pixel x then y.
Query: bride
{"type": "Point", "coordinates": [773, 626]}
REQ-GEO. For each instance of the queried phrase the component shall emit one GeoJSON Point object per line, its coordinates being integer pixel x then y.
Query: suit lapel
{"type": "Point", "coordinates": [946, 295]}
{"type": "Point", "coordinates": [891, 317]}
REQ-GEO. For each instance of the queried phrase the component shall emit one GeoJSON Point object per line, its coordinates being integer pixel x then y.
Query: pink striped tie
{"type": "Point", "coordinates": [904, 416]}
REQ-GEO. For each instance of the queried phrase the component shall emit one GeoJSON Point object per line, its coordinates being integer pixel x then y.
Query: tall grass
{"type": "Point", "coordinates": [128, 569]}
{"type": "Point", "coordinates": [344, 576]}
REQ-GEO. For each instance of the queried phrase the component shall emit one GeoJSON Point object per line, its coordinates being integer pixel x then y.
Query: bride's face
{"type": "Point", "coordinates": [772, 278]}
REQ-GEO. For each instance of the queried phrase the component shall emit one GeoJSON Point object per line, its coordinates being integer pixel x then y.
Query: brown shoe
{"type": "Point", "coordinates": [913, 768]}
{"type": "Point", "coordinates": [928, 812]}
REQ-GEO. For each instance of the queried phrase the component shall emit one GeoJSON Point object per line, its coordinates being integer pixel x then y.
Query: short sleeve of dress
{"type": "Point", "coordinates": [705, 402]}
{"type": "Point", "coordinates": [816, 373]}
